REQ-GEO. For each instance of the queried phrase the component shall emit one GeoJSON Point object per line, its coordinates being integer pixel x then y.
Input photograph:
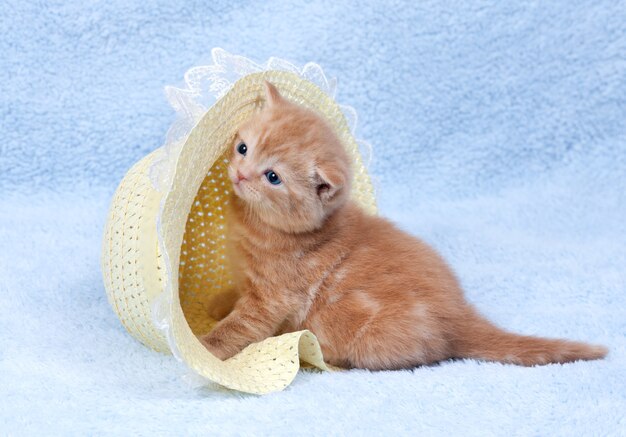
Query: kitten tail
{"type": "Point", "coordinates": [479, 339]}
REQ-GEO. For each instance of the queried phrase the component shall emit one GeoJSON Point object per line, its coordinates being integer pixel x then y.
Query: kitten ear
{"type": "Point", "coordinates": [329, 182]}
{"type": "Point", "coordinates": [272, 96]}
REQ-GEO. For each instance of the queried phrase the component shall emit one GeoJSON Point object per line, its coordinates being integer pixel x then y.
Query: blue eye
{"type": "Point", "coordinates": [242, 148]}
{"type": "Point", "coordinates": [272, 177]}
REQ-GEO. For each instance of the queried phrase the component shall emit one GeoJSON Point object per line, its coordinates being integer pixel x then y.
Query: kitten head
{"type": "Point", "coordinates": [288, 166]}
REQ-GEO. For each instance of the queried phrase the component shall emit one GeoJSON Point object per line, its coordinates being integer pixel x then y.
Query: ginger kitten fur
{"type": "Point", "coordinates": [306, 257]}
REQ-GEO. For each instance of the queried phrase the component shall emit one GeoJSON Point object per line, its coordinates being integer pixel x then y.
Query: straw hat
{"type": "Point", "coordinates": [163, 250]}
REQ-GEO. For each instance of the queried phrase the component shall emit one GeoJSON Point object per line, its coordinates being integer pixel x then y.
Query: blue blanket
{"type": "Point", "coordinates": [499, 133]}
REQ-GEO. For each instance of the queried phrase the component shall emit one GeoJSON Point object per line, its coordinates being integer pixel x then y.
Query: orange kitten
{"type": "Point", "coordinates": [309, 258]}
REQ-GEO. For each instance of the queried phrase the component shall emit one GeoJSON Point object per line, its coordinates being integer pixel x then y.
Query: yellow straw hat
{"type": "Point", "coordinates": [163, 251]}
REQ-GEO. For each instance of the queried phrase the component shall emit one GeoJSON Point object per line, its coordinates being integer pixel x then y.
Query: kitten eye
{"type": "Point", "coordinates": [272, 177]}
{"type": "Point", "coordinates": [242, 148]}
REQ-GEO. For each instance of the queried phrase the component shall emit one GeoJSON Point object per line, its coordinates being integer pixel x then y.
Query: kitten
{"type": "Point", "coordinates": [309, 258]}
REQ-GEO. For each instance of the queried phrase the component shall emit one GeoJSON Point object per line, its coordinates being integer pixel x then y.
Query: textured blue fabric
{"type": "Point", "coordinates": [499, 133]}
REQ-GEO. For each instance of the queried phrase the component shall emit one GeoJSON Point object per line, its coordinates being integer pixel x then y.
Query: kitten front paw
{"type": "Point", "coordinates": [221, 304]}
{"type": "Point", "coordinates": [217, 347]}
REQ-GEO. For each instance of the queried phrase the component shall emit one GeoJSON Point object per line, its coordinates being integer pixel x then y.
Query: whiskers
{"type": "Point", "coordinates": [258, 205]}
{"type": "Point", "coordinates": [252, 194]}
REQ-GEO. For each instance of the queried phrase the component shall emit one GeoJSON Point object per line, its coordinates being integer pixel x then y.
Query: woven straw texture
{"type": "Point", "coordinates": [163, 252]}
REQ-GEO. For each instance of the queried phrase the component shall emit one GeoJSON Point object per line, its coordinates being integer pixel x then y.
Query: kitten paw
{"type": "Point", "coordinates": [221, 304]}
{"type": "Point", "coordinates": [216, 347]}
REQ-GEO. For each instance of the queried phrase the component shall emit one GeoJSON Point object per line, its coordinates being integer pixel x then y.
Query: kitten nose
{"type": "Point", "coordinates": [240, 176]}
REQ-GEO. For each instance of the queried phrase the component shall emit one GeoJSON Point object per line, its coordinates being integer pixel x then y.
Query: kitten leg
{"type": "Point", "coordinates": [253, 319]}
{"type": "Point", "coordinates": [221, 304]}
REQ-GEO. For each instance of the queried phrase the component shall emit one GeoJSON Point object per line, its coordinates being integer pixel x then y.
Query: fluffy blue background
{"type": "Point", "coordinates": [499, 133]}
